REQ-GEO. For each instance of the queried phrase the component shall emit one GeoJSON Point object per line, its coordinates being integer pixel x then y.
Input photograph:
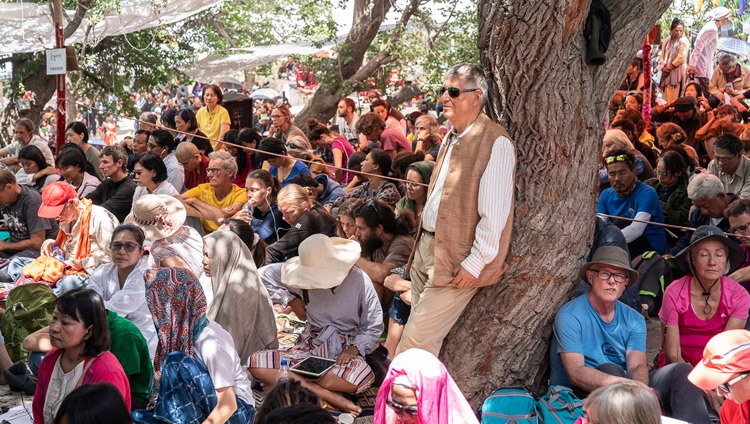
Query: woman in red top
{"type": "Point", "coordinates": [79, 334]}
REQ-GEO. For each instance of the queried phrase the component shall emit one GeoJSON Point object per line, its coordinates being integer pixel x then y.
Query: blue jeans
{"type": "Point", "coordinates": [187, 395]}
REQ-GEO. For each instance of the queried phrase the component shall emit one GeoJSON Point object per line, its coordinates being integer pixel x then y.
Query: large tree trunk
{"type": "Point", "coordinates": [553, 105]}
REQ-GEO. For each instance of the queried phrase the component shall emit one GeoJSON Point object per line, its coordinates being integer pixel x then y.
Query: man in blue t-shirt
{"type": "Point", "coordinates": [597, 339]}
{"type": "Point", "coordinates": [630, 198]}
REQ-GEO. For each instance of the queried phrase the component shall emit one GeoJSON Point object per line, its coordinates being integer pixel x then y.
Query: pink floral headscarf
{"type": "Point", "coordinates": [439, 399]}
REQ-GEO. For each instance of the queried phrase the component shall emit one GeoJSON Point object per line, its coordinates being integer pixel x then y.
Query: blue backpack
{"type": "Point", "coordinates": [511, 405]}
{"type": "Point", "coordinates": [517, 405]}
{"type": "Point", "coordinates": [560, 406]}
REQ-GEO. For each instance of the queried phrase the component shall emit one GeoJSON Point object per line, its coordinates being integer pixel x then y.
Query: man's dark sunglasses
{"type": "Point", "coordinates": [454, 92]}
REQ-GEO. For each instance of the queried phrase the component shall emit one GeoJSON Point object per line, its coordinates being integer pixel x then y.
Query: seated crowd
{"type": "Point", "coordinates": [177, 254]}
{"type": "Point", "coordinates": [172, 261]}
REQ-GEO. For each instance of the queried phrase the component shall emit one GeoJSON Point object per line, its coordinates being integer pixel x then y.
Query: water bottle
{"type": "Point", "coordinates": [247, 207]}
{"type": "Point", "coordinates": [57, 253]}
{"type": "Point", "coordinates": [284, 372]}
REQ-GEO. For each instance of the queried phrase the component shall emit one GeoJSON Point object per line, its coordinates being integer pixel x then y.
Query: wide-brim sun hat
{"type": "Point", "coordinates": [158, 215]}
{"type": "Point", "coordinates": [613, 256]}
{"type": "Point", "coordinates": [726, 354]}
{"type": "Point", "coordinates": [703, 233]}
{"type": "Point", "coordinates": [323, 263]}
{"type": "Point", "coordinates": [54, 198]}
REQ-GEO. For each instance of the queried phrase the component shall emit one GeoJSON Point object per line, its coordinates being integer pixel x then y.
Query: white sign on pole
{"type": "Point", "coordinates": [56, 60]}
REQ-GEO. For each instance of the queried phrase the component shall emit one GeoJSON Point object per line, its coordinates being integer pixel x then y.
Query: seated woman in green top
{"type": "Point", "coordinates": [418, 178]}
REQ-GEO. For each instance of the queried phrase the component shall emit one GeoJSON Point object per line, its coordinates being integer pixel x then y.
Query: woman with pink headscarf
{"type": "Point", "coordinates": [418, 389]}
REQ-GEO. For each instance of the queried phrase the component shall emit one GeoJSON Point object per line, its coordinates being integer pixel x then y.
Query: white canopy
{"type": "Point", "coordinates": [213, 66]}
{"type": "Point", "coordinates": [28, 27]}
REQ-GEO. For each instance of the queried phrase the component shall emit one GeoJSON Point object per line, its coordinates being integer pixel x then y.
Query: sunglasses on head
{"type": "Point", "coordinates": [612, 159]}
{"type": "Point", "coordinates": [129, 246]}
{"type": "Point", "coordinates": [454, 92]}
{"type": "Point", "coordinates": [411, 409]}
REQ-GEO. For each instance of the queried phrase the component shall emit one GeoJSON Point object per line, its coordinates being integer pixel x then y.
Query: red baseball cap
{"type": "Point", "coordinates": [54, 198]}
{"type": "Point", "coordinates": [726, 354]}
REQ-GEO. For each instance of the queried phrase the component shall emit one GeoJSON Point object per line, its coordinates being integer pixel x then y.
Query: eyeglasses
{"type": "Point", "coordinates": [129, 246]}
{"type": "Point", "coordinates": [740, 228]}
{"type": "Point", "coordinates": [454, 92]}
{"type": "Point", "coordinates": [619, 158]}
{"type": "Point", "coordinates": [723, 159]}
{"type": "Point", "coordinates": [153, 146]}
{"type": "Point", "coordinates": [663, 174]}
{"type": "Point", "coordinates": [213, 170]}
{"type": "Point", "coordinates": [404, 409]}
{"type": "Point", "coordinates": [726, 386]}
{"type": "Point", "coordinates": [606, 275]}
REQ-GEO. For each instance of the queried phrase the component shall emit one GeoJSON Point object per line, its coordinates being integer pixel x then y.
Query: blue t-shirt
{"type": "Point", "coordinates": [298, 168]}
{"type": "Point", "coordinates": [578, 328]}
{"type": "Point", "coordinates": [642, 199]}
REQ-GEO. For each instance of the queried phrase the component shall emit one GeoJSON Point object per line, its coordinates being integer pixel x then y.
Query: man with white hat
{"type": "Point", "coordinates": [702, 60]}
{"type": "Point", "coordinates": [725, 364]}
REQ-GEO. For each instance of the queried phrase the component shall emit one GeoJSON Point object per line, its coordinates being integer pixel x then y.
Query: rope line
{"type": "Point", "coordinates": [666, 226]}
{"type": "Point", "coordinates": [306, 161]}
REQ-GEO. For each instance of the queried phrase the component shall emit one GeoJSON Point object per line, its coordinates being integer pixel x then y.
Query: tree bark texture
{"type": "Point", "coordinates": [553, 105]}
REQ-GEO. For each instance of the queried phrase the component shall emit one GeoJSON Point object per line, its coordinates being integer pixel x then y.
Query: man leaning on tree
{"type": "Point", "coordinates": [466, 223]}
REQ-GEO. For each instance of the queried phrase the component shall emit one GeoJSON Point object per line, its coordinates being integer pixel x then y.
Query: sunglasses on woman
{"type": "Point", "coordinates": [454, 92]}
{"type": "Point", "coordinates": [129, 246]}
{"type": "Point", "coordinates": [404, 409]}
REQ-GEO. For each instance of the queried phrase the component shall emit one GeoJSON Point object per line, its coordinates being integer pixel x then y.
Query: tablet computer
{"type": "Point", "coordinates": [313, 367]}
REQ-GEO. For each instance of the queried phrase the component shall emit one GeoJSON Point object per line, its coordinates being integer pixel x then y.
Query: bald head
{"type": "Point", "coordinates": [188, 155]}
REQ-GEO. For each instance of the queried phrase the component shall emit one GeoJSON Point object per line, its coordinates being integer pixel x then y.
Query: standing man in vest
{"type": "Point", "coordinates": [466, 223]}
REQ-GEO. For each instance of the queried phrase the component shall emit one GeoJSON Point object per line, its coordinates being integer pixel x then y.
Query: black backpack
{"type": "Point", "coordinates": [654, 274]}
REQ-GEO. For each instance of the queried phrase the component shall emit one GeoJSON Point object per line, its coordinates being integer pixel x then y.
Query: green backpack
{"type": "Point", "coordinates": [28, 308]}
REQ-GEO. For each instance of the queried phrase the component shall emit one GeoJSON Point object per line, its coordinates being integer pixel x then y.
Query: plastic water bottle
{"type": "Point", "coordinates": [284, 371]}
{"type": "Point", "coordinates": [247, 207]}
{"type": "Point", "coordinates": [57, 253]}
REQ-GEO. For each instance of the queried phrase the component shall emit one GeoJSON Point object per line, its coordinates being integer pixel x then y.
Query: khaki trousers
{"type": "Point", "coordinates": [434, 310]}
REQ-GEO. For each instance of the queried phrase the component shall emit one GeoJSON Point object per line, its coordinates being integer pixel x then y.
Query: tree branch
{"type": "Point", "coordinates": [384, 57]}
{"type": "Point", "coordinates": [72, 26]}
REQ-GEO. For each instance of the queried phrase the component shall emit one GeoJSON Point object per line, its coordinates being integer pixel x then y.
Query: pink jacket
{"type": "Point", "coordinates": [439, 400]}
{"type": "Point", "coordinates": [105, 368]}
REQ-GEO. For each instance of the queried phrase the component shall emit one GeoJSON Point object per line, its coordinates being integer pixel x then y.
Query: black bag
{"type": "Point", "coordinates": [654, 274]}
{"type": "Point", "coordinates": [379, 362]}
{"type": "Point", "coordinates": [598, 33]}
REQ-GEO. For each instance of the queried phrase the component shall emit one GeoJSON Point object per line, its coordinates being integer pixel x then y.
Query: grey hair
{"type": "Point", "coordinates": [704, 186]}
{"type": "Point", "coordinates": [117, 153]}
{"type": "Point", "coordinates": [26, 123]}
{"type": "Point", "coordinates": [229, 163]}
{"type": "Point", "coordinates": [618, 139]}
{"type": "Point", "coordinates": [472, 75]}
{"type": "Point", "coordinates": [727, 60]}
{"type": "Point", "coordinates": [431, 122]}
{"type": "Point", "coordinates": [624, 402]}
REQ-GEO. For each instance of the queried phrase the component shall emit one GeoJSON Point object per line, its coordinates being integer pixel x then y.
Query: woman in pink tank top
{"type": "Point", "coordinates": [705, 302]}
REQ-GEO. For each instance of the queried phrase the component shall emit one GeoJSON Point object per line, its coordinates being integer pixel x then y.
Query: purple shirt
{"type": "Point", "coordinates": [392, 139]}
